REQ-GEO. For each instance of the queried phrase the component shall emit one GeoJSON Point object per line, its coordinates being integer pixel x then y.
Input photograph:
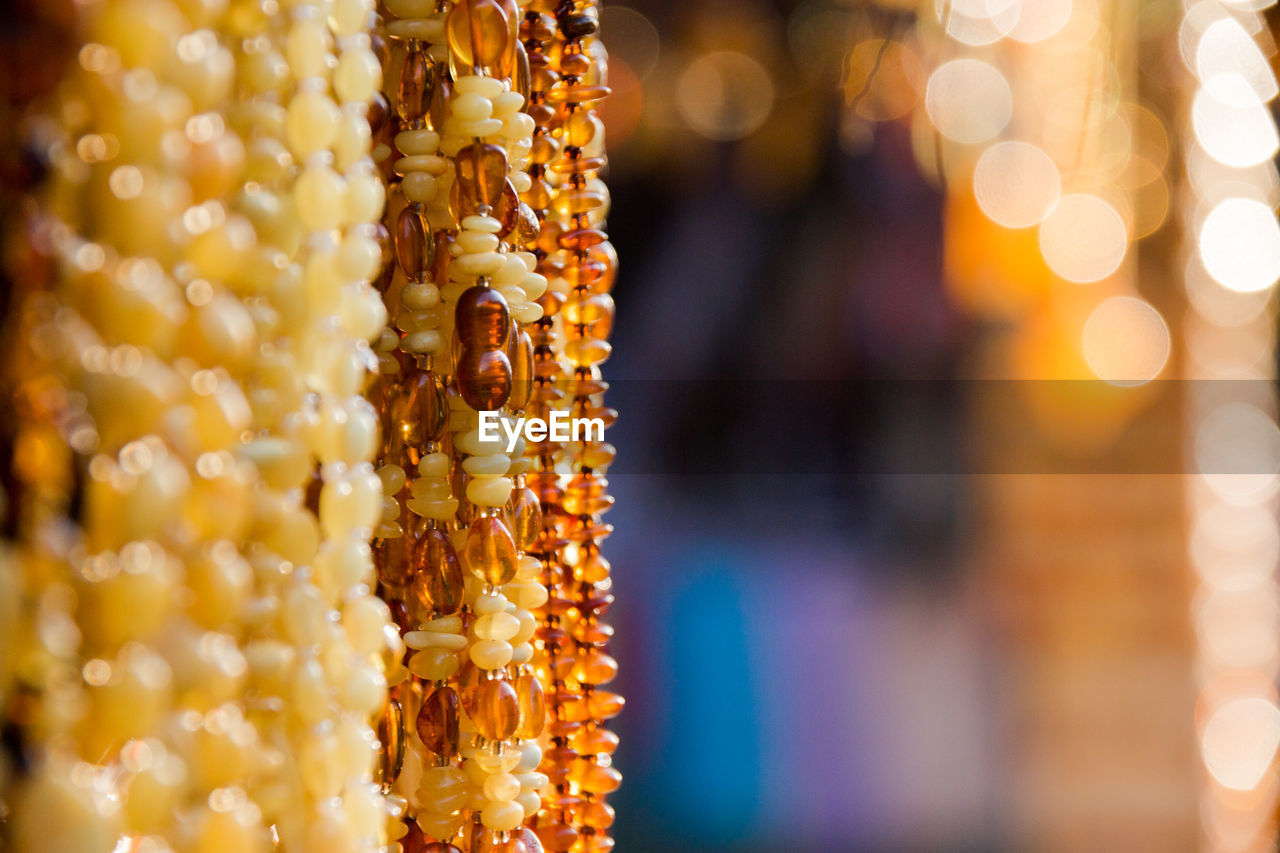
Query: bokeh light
{"type": "Point", "coordinates": [1016, 184]}
{"type": "Point", "coordinates": [968, 100]}
{"type": "Point", "coordinates": [1240, 245]}
{"type": "Point", "coordinates": [1125, 341]}
{"type": "Point", "coordinates": [725, 95]}
{"type": "Point", "coordinates": [1239, 741]}
{"type": "Point", "coordinates": [1041, 19]}
{"type": "Point", "coordinates": [1083, 238]}
{"type": "Point", "coordinates": [1236, 136]}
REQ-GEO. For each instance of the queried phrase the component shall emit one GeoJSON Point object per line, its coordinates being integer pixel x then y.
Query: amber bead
{"type": "Point", "coordinates": [595, 779]}
{"type": "Point", "coordinates": [533, 710]}
{"type": "Point", "coordinates": [574, 64]}
{"type": "Point", "coordinates": [479, 32]}
{"type": "Point", "coordinates": [593, 666]}
{"type": "Point", "coordinates": [557, 837]}
{"type": "Point", "coordinates": [419, 413]}
{"type": "Point", "coordinates": [591, 739]}
{"type": "Point", "coordinates": [437, 584]}
{"type": "Point", "coordinates": [592, 309]}
{"type": "Point", "coordinates": [490, 550]}
{"type": "Point", "coordinates": [379, 112]}
{"type": "Point", "coordinates": [497, 709]}
{"type": "Point", "coordinates": [482, 174]}
{"type": "Point", "coordinates": [520, 354]}
{"type": "Point", "coordinates": [526, 230]}
{"type": "Point", "coordinates": [391, 736]}
{"type": "Point", "coordinates": [484, 379]}
{"type": "Point", "coordinates": [592, 632]}
{"type": "Point", "coordinates": [395, 559]}
{"type": "Point", "coordinates": [458, 482]}
{"type": "Point", "coordinates": [526, 518]}
{"type": "Point", "coordinates": [482, 318]}
{"type": "Point", "coordinates": [417, 84]}
{"type": "Point", "coordinates": [469, 678]}
{"type": "Point", "coordinates": [521, 74]}
{"type": "Point", "coordinates": [413, 840]}
{"type": "Point", "coordinates": [438, 722]}
{"type": "Point", "coordinates": [439, 847]}
{"type": "Point", "coordinates": [414, 249]}
{"type": "Point", "coordinates": [441, 94]}
{"type": "Point", "coordinates": [537, 27]}
{"type": "Point", "coordinates": [585, 495]}
{"type": "Point", "coordinates": [604, 705]}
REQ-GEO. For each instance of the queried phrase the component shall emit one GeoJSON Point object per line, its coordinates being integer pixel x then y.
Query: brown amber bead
{"type": "Point", "coordinates": [484, 379]}
{"type": "Point", "coordinates": [479, 32]}
{"type": "Point", "coordinates": [437, 585]}
{"type": "Point", "coordinates": [526, 518]}
{"type": "Point", "coordinates": [521, 75]}
{"type": "Point", "coordinates": [604, 705]}
{"type": "Point", "coordinates": [420, 411]}
{"type": "Point", "coordinates": [490, 551]}
{"type": "Point", "coordinates": [391, 736]}
{"type": "Point", "coordinates": [593, 666]}
{"type": "Point", "coordinates": [395, 557]}
{"type": "Point", "coordinates": [527, 226]}
{"type": "Point", "coordinates": [594, 779]}
{"type": "Point", "coordinates": [482, 318]}
{"type": "Point", "coordinates": [379, 111]}
{"type": "Point", "coordinates": [440, 97]}
{"type": "Point", "coordinates": [533, 710]}
{"type": "Point", "coordinates": [574, 65]}
{"type": "Point", "coordinates": [417, 82]}
{"type": "Point", "coordinates": [438, 722]}
{"type": "Point", "coordinates": [482, 175]}
{"type": "Point", "coordinates": [557, 837]}
{"type": "Point", "coordinates": [585, 495]}
{"type": "Point", "coordinates": [469, 678]}
{"type": "Point", "coordinates": [592, 632]}
{"type": "Point", "coordinates": [597, 815]}
{"type": "Point", "coordinates": [591, 740]}
{"type": "Point", "coordinates": [520, 354]}
{"type": "Point", "coordinates": [414, 248]}
{"type": "Point", "coordinates": [588, 310]}
{"type": "Point", "coordinates": [497, 709]}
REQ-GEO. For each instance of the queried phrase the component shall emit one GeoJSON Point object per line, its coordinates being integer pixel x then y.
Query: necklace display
{"type": "Point", "coordinates": [278, 592]}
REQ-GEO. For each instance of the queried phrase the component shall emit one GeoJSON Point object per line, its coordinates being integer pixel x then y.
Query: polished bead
{"type": "Point", "coordinates": [490, 552]}
{"type": "Point", "coordinates": [533, 712]}
{"type": "Point", "coordinates": [391, 738]}
{"type": "Point", "coordinates": [438, 722]}
{"type": "Point", "coordinates": [526, 517]}
{"type": "Point", "coordinates": [593, 666]}
{"type": "Point", "coordinates": [479, 32]}
{"type": "Point", "coordinates": [413, 247]}
{"type": "Point", "coordinates": [481, 175]}
{"type": "Point", "coordinates": [417, 84]}
{"type": "Point", "coordinates": [484, 379]}
{"type": "Point", "coordinates": [437, 583]}
{"type": "Point", "coordinates": [497, 709]}
{"type": "Point", "coordinates": [482, 318]}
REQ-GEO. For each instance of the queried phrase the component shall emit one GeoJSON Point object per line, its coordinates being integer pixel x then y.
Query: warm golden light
{"type": "Point", "coordinates": [1240, 245]}
{"type": "Point", "coordinates": [968, 100]}
{"type": "Point", "coordinates": [1239, 741]}
{"type": "Point", "coordinates": [725, 95]}
{"type": "Point", "coordinates": [1083, 238]}
{"type": "Point", "coordinates": [1016, 184]}
{"type": "Point", "coordinates": [1125, 341]}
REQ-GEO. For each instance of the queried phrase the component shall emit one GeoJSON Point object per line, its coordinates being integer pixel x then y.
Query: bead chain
{"type": "Point", "coordinates": [203, 653]}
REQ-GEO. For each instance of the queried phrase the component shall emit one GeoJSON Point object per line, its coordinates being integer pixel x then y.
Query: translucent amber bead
{"type": "Point", "coordinates": [526, 517]}
{"type": "Point", "coordinates": [419, 411]}
{"type": "Point", "coordinates": [590, 740]}
{"type": "Point", "coordinates": [413, 246]}
{"type": "Point", "coordinates": [595, 778]}
{"type": "Point", "coordinates": [593, 666]}
{"type": "Point", "coordinates": [438, 722]}
{"type": "Point", "coordinates": [482, 318]}
{"type": "Point", "coordinates": [437, 582]}
{"type": "Point", "coordinates": [520, 354]}
{"type": "Point", "coordinates": [490, 551]}
{"type": "Point", "coordinates": [484, 378]}
{"type": "Point", "coordinates": [604, 705]}
{"type": "Point", "coordinates": [479, 32]}
{"type": "Point", "coordinates": [585, 495]}
{"type": "Point", "coordinates": [482, 175]}
{"type": "Point", "coordinates": [391, 738]}
{"type": "Point", "coordinates": [417, 85]}
{"type": "Point", "coordinates": [557, 837]}
{"type": "Point", "coordinates": [533, 712]}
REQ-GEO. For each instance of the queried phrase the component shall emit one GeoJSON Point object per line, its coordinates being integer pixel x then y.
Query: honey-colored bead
{"type": "Point", "coordinates": [413, 247]}
{"type": "Point", "coordinates": [391, 740]}
{"type": "Point", "coordinates": [481, 175]}
{"type": "Point", "coordinates": [593, 666]}
{"type": "Point", "coordinates": [417, 84]}
{"type": "Point", "coordinates": [491, 654]}
{"type": "Point", "coordinates": [479, 32]}
{"type": "Point", "coordinates": [490, 552]}
{"type": "Point", "coordinates": [438, 722]}
{"type": "Point", "coordinates": [525, 513]}
{"type": "Point", "coordinates": [435, 663]}
{"type": "Point", "coordinates": [437, 583]}
{"type": "Point", "coordinates": [497, 709]}
{"type": "Point", "coordinates": [533, 713]}
{"type": "Point", "coordinates": [489, 491]}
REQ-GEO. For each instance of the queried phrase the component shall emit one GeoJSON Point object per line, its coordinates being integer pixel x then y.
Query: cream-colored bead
{"type": "Point", "coordinates": [496, 626]}
{"type": "Point", "coordinates": [434, 664]}
{"type": "Point", "coordinates": [420, 296]}
{"type": "Point", "coordinates": [443, 510]}
{"type": "Point", "coordinates": [501, 787]}
{"type": "Point", "coordinates": [365, 197]}
{"type": "Point", "coordinates": [357, 76]}
{"type": "Point", "coordinates": [502, 816]}
{"type": "Point", "coordinates": [418, 186]}
{"type": "Point", "coordinates": [429, 163]}
{"type": "Point", "coordinates": [489, 87]}
{"type": "Point", "coordinates": [491, 654]}
{"type": "Point", "coordinates": [312, 123]}
{"type": "Point", "coordinates": [425, 341]}
{"type": "Point", "coordinates": [530, 802]}
{"type": "Point", "coordinates": [348, 17]}
{"type": "Point", "coordinates": [435, 639]}
{"type": "Point", "coordinates": [509, 103]}
{"type": "Point", "coordinates": [470, 107]}
{"type": "Point", "coordinates": [475, 242]}
{"type": "Point", "coordinates": [411, 8]}
{"type": "Point", "coordinates": [488, 465]}
{"type": "Point", "coordinates": [308, 48]}
{"type": "Point", "coordinates": [489, 491]}
{"type": "Point", "coordinates": [434, 465]}
{"type": "Point", "coordinates": [521, 653]}
{"type": "Point", "coordinates": [413, 142]}
{"type": "Point", "coordinates": [320, 198]}
{"type": "Point", "coordinates": [475, 222]}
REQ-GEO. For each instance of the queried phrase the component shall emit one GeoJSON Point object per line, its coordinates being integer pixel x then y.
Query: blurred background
{"type": "Point", "coordinates": [947, 451]}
